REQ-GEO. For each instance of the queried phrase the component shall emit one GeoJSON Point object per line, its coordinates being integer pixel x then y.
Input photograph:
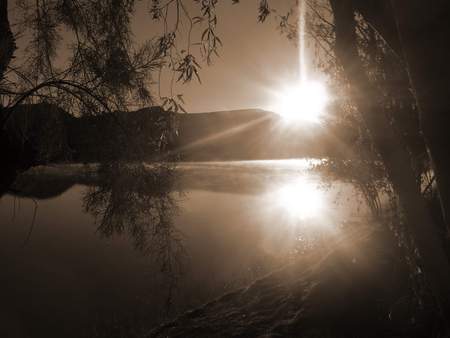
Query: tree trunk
{"type": "Point", "coordinates": [7, 43]}
{"type": "Point", "coordinates": [425, 34]}
{"type": "Point", "coordinates": [418, 32]}
{"type": "Point", "coordinates": [396, 159]}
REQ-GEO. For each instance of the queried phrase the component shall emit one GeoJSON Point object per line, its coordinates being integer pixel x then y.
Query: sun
{"type": "Point", "coordinates": [304, 102]}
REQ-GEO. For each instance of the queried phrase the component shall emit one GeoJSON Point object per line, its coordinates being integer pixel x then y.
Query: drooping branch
{"type": "Point", "coordinates": [67, 86]}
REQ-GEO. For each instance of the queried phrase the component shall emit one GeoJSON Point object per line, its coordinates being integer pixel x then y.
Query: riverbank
{"type": "Point", "coordinates": [356, 287]}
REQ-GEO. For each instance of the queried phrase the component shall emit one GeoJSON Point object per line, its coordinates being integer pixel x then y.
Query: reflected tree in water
{"type": "Point", "coordinates": [139, 201]}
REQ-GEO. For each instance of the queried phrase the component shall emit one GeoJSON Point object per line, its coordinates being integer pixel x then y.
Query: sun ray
{"type": "Point", "coordinates": [303, 76]}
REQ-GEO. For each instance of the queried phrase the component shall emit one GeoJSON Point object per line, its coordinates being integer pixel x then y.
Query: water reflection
{"type": "Point", "coordinates": [139, 202]}
{"type": "Point", "coordinates": [105, 240]}
{"type": "Point", "coordinates": [134, 201]}
{"type": "Point", "coordinates": [300, 199]}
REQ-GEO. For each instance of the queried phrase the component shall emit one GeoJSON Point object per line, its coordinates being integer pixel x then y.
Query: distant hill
{"type": "Point", "coordinates": [126, 135]}
{"type": "Point", "coordinates": [247, 135]}
{"type": "Point", "coordinates": [49, 134]}
{"type": "Point", "coordinates": [37, 133]}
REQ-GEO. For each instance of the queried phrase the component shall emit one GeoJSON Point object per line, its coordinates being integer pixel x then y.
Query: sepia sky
{"type": "Point", "coordinates": [255, 60]}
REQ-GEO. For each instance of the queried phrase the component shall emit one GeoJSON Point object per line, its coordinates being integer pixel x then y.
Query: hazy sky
{"type": "Point", "coordinates": [255, 59]}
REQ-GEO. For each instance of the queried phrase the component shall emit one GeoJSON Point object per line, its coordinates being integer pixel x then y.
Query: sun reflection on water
{"type": "Point", "coordinates": [300, 199]}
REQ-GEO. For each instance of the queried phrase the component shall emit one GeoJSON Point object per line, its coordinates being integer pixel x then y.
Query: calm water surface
{"type": "Point", "coordinates": [230, 222]}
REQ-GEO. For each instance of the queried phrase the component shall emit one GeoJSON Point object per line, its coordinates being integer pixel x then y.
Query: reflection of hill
{"type": "Point", "coordinates": [241, 177]}
{"type": "Point", "coordinates": [51, 181]}
{"type": "Point", "coordinates": [42, 188]}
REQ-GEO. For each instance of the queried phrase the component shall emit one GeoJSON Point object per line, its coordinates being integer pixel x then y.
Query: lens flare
{"type": "Point", "coordinates": [303, 102]}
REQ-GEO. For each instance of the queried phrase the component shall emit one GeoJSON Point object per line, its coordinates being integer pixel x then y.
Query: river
{"type": "Point", "coordinates": [73, 266]}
